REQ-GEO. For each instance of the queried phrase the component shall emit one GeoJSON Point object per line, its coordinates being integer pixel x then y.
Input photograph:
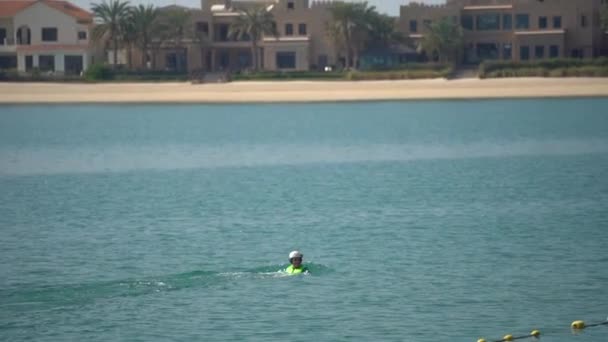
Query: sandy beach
{"type": "Point", "coordinates": [300, 91]}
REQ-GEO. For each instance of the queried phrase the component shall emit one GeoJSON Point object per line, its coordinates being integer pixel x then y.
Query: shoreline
{"type": "Point", "coordinates": [300, 91]}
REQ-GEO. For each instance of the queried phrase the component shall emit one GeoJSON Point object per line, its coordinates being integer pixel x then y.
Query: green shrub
{"type": "Point", "coordinates": [9, 75]}
{"type": "Point", "coordinates": [287, 75]}
{"type": "Point", "coordinates": [98, 72]}
{"type": "Point", "coordinates": [545, 68]}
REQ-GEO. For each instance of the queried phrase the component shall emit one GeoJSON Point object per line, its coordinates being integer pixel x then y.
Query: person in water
{"type": "Point", "coordinates": [296, 267]}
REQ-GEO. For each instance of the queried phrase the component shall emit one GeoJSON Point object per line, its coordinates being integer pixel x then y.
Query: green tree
{"type": "Point", "coordinates": [129, 34]}
{"type": "Point", "coordinates": [144, 19]}
{"type": "Point", "coordinates": [444, 40]}
{"type": "Point", "coordinates": [111, 16]}
{"type": "Point", "coordinates": [604, 16]}
{"type": "Point", "coordinates": [383, 31]}
{"type": "Point", "coordinates": [350, 28]}
{"type": "Point", "coordinates": [253, 24]}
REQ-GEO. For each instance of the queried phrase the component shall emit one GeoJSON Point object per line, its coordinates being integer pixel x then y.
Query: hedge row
{"type": "Point", "coordinates": [548, 68]}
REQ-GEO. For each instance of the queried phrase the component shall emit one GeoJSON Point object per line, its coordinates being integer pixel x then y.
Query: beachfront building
{"type": "Point", "coordinates": [46, 35]}
{"type": "Point", "coordinates": [515, 30]}
{"type": "Point", "coordinates": [301, 44]}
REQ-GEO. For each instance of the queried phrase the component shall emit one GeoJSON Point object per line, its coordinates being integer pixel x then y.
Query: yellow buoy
{"type": "Point", "coordinates": [481, 340]}
{"type": "Point", "coordinates": [535, 333]}
{"type": "Point", "coordinates": [508, 338]}
{"type": "Point", "coordinates": [578, 325]}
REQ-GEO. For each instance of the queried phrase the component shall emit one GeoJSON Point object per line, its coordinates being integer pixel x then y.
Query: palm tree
{"type": "Point", "coordinates": [445, 40]}
{"type": "Point", "coordinates": [604, 17]}
{"type": "Point", "coordinates": [350, 27]}
{"type": "Point", "coordinates": [252, 25]}
{"type": "Point", "coordinates": [175, 25]}
{"type": "Point", "coordinates": [383, 31]}
{"type": "Point", "coordinates": [111, 15]}
{"type": "Point", "coordinates": [144, 19]}
{"type": "Point", "coordinates": [128, 33]}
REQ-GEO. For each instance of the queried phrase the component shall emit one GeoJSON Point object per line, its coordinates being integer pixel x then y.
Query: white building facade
{"type": "Point", "coordinates": [53, 37]}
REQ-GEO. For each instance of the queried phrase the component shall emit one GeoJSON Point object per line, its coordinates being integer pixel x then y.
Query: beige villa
{"type": "Point", "coordinates": [518, 30]}
{"type": "Point", "coordinates": [301, 43]}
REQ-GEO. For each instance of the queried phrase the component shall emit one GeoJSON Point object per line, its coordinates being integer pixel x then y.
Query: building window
{"type": "Point", "coordinates": [542, 23]}
{"type": "Point", "coordinates": [467, 22]}
{"type": "Point", "coordinates": [524, 53]}
{"type": "Point", "coordinates": [488, 22]}
{"type": "Point", "coordinates": [539, 52]}
{"type": "Point", "coordinates": [49, 34]}
{"type": "Point", "coordinates": [291, 5]}
{"type": "Point", "coordinates": [507, 51]}
{"type": "Point", "coordinates": [557, 22]}
{"type": "Point", "coordinates": [554, 51]}
{"type": "Point", "coordinates": [522, 21]}
{"type": "Point", "coordinates": [488, 51]}
{"type": "Point", "coordinates": [302, 29]}
{"type": "Point", "coordinates": [46, 63]}
{"type": "Point", "coordinates": [413, 26]}
{"type": "Point", "coordinates": [286, 60]}
{"type": "Point", "coordinates": [2, 35]}
{"type": "Point", "coordinates": [29, 63]}
{"type": "Point", "coordinates": [507, 22]}
{"type": "Point", "coordinates": [583, 20]}
{"type": "Point", "coordinates": [203, 27]}
{"type": "Point", "coordinates": [82, 35]}
{"type": "Point", "coordinates": [289, 29]}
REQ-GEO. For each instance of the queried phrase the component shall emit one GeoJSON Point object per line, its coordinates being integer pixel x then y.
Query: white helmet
{"type": "Point", "coordinates": [295, 254]}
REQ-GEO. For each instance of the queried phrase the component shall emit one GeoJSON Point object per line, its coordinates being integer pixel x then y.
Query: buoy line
{"type": "Point", "coordinates": [576, 326]}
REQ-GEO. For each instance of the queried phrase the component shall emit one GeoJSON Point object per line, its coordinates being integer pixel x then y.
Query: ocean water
{"type": "Point", "coordinates": [420, 221]}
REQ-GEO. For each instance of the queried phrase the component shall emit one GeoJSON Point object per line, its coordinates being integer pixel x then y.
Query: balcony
{"type": "Point", "coordinates": [8, 45]}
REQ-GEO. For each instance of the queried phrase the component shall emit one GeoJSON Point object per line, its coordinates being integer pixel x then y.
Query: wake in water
{"type": "Point", "coordinates": [71, 294]}
{"type": "Point", "coordinates": [117, 158]}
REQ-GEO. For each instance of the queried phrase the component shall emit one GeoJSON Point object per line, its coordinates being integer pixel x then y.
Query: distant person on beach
{"type": "Point", "coordinates": [296, 267]}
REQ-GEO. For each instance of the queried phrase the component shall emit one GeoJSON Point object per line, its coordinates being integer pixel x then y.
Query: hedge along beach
{"type": "Point", "coordinates": [301, 91]}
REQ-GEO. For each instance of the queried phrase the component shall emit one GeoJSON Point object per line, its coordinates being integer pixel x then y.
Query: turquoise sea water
{"type": "Point", "coordinates": [421, 221]}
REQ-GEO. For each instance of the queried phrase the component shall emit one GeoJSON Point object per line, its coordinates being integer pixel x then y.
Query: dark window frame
{"type": "Point", "coordinates": [539, 52]}
{"type": "Point", "coordinates": [286, 59]}
{"type": "Point", "coordinates": [44, 66]}
{"type": "Point", "coordinates": [467, 22]}
{"type": "Point", "coordinates": [49, 34]}
{"type": "Point", "coordinates": [524, 24]}
{"type": "Point", "coordinates": [543, 23]}
{"type": "Point", "coordinates": [289, 29]}
{"type": "Point", "coordinates": [414, 26]}
{"type": "Point", "coordinates": [554, 51]}
{"type": "Point", "coordinates": [302, 29]}
{"type": "Point", "coordinates": [291, 5]}
{"type": "Point", "coordinates": [557, 22]}
{"type": "Point", "coordinates": [524, 56]}
{"type": "Point", "coordinates": [82, 35]}
{"type": "Point", "coordinates": [507, 25]}
{"type": "Point", "coordinates": [482, 23]}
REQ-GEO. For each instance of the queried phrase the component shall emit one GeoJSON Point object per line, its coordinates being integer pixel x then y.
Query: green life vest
{"type": "Point", "coordinates": [293, 270]}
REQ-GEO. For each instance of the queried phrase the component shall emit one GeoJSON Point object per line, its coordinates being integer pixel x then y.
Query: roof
{"type": "Point", "coordinates": [9, 8]}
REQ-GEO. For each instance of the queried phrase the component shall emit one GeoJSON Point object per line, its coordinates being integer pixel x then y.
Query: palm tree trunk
{"type": "Point", "coordinates": [254, 55]}
{"type": "Point", "coordinates": [115, 41]}
{"type": "Point", "coordinates": [130, 56]}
